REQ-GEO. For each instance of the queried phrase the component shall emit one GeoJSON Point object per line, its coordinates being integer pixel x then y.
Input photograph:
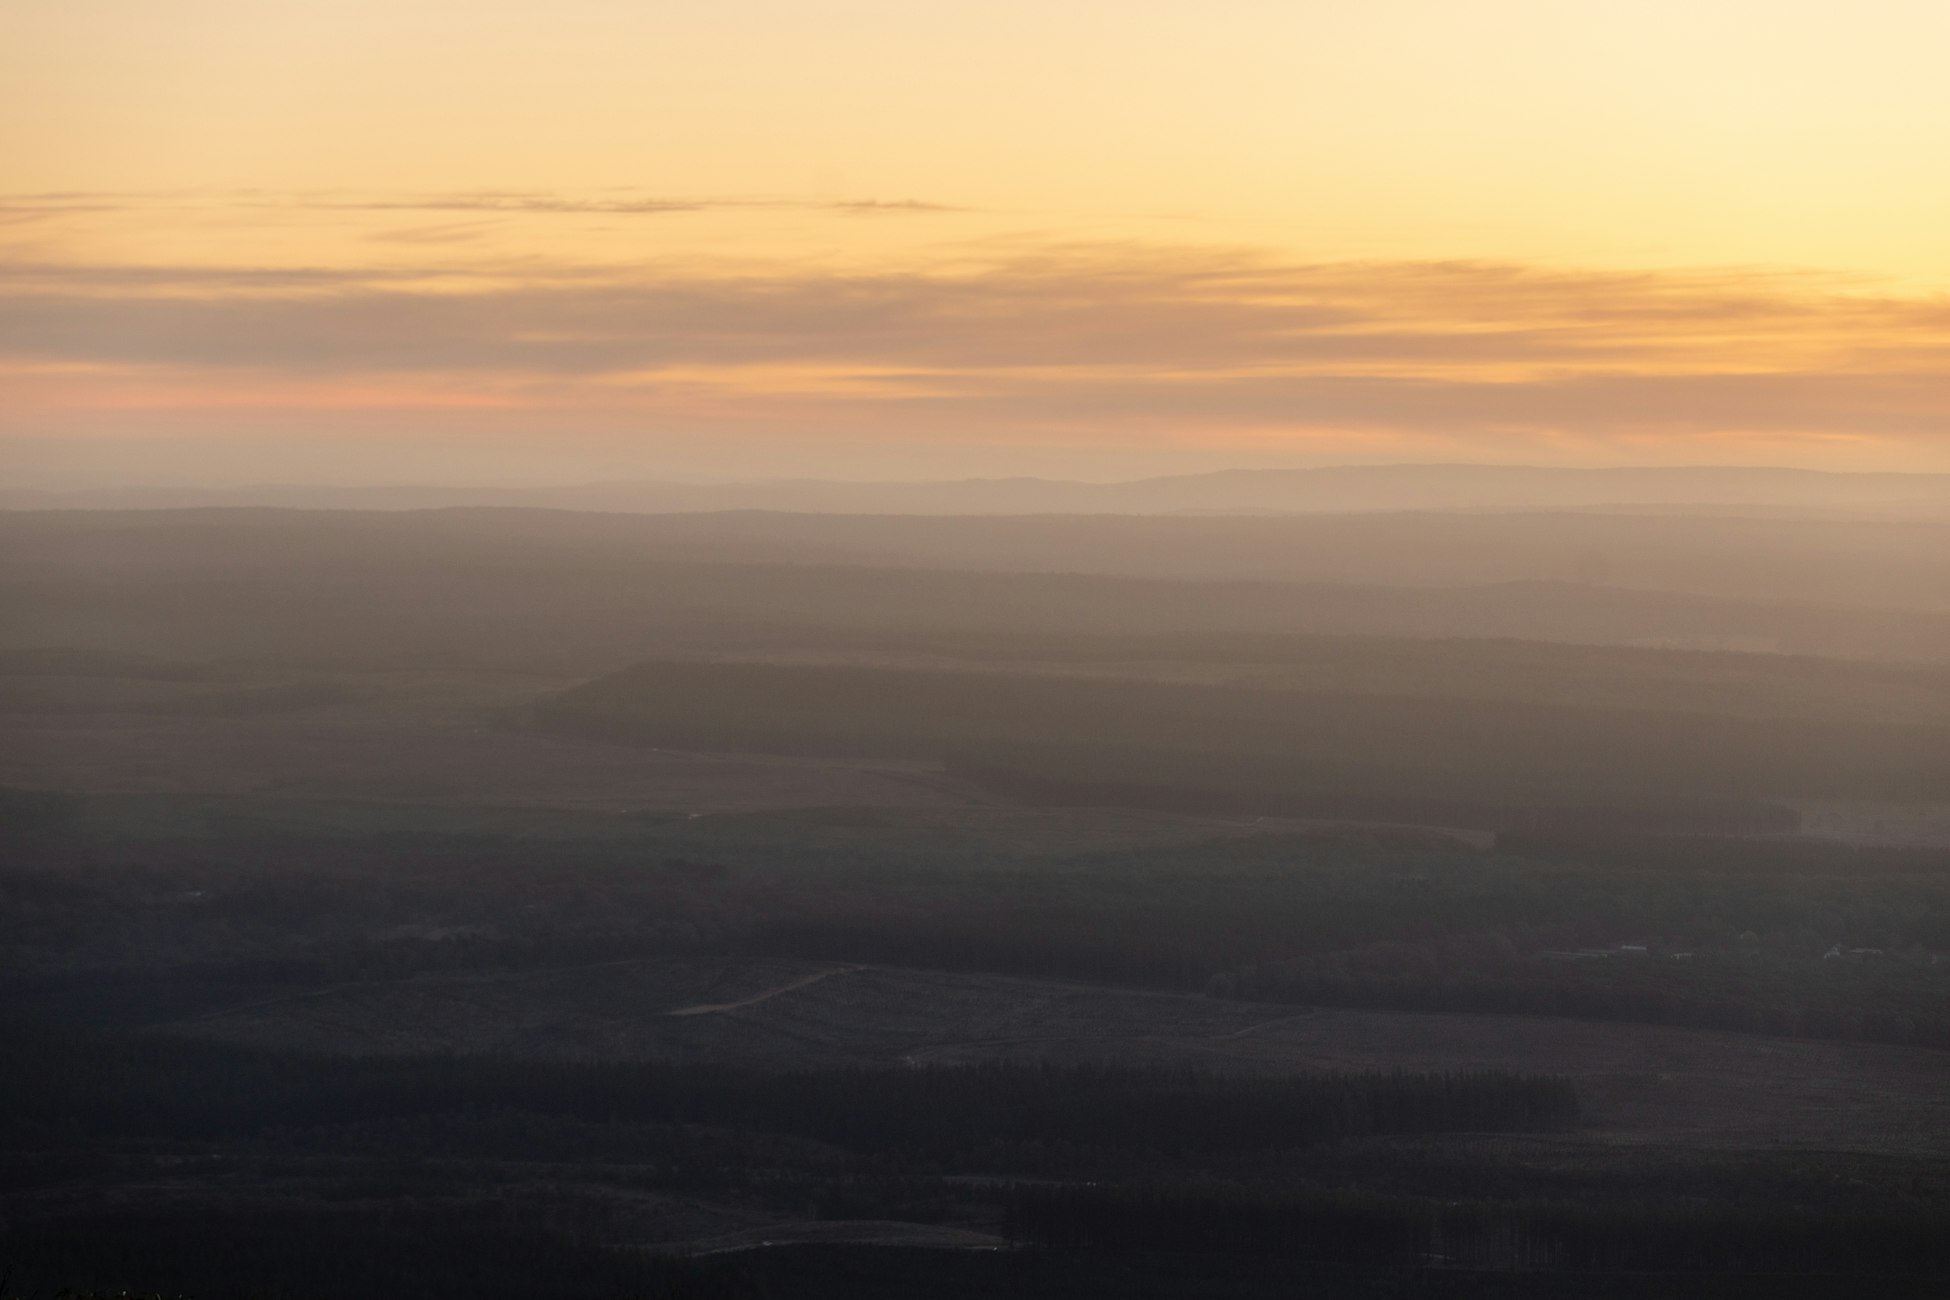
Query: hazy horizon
{"type": "Point", "coordinates": [1757, 491]}
{"type": "Point", "coordinates": [1704, 473]}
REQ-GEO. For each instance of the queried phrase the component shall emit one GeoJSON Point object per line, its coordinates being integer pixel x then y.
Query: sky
{"type": "Point", "coordinates": [475, 241]}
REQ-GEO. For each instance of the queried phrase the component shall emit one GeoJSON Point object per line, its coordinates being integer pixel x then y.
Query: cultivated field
{"type": "Point", "coordinates": [1641, 1083]}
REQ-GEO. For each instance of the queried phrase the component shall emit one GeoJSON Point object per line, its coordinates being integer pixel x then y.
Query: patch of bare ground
{"type": "Point", "coordinates": [1641, 1083]}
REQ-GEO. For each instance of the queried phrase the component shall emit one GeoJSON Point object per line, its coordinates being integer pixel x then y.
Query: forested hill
{"type": "Point", "coordinates": [591, 593]}
{"type": "Point", "coordinates": [1082, 740]}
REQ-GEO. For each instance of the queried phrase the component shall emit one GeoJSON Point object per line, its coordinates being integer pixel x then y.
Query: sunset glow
{"type": "Point", "coordinates": [501, 241]}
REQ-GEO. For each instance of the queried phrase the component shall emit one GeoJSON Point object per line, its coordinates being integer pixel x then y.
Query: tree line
{"type": "Point", "coordinates": [129, 1087]}
{"type": "Point", "coordinates": [1366, 1228]}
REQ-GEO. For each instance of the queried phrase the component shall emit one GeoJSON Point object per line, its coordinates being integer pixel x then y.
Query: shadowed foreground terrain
{"type": "Point", "coordinates": [415, 913]}
{"type": "Point", "coordinates": [284, 1018]}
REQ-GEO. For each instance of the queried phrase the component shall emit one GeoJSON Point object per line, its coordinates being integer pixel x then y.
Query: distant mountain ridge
{"type": "Point", "coordinates": [1335, 489]}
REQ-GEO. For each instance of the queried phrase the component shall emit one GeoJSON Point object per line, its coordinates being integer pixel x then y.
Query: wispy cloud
{"type": "Point", "coordinates": [1013, 339]}
{"type": "Point", "coordinates": [48, 204]}
{"type": "Point", "coordinates": [453, 232]}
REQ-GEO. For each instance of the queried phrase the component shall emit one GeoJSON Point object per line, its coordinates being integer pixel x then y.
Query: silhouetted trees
{"type": "Point", "coordinates": [89, 1087]}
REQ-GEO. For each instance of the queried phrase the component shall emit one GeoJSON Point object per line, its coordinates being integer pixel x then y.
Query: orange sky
{"type": "Point", "coordinates": [487, 241]}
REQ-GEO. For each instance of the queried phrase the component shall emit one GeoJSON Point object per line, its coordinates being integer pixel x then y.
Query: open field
{"type": "Point", "coordinates": [1640, 1083]}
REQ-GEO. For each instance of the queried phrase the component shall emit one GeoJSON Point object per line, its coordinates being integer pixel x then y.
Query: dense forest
{"type": "Point", "coordinates": [1665, 929]}
{"type": "Point", "coordinates": [1093, 1162]}
{"type": "Point", "coordinates": [119, 1087]}
{"type": "Point", "coordinates": [1218, 748]}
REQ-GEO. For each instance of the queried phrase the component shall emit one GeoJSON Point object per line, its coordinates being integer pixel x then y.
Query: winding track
{"type": "Point", "coordinates": [706, 1008]}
